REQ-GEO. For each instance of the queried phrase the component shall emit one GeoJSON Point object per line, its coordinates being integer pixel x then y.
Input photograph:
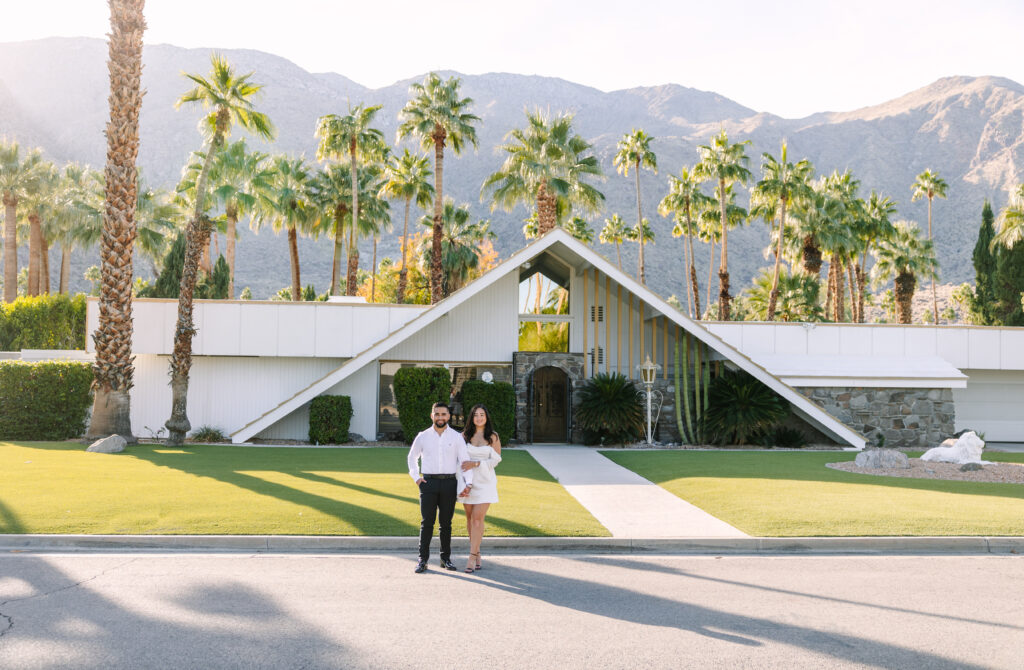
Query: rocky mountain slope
{"type": "Point", "coordinates": [53, 94]}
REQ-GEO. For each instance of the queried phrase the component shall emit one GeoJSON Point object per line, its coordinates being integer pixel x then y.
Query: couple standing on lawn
{"type": "Point", "coordinates": [448, 466]}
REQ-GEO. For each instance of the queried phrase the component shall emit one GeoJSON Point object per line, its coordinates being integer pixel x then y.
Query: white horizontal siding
{"type": "Point", "coordinates": [993, 404]}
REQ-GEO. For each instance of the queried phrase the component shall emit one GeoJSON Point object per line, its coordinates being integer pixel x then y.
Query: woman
{"type": "Point", "coordinates": [485, 451]}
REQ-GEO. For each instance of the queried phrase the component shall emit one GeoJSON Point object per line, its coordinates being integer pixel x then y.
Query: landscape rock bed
{"type": "Point", "coordinates": [998, 473]}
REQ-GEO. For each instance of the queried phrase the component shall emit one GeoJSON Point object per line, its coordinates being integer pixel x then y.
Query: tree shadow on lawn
{"type": "Point", "coordinates": [798, 466]}
{"type": "Point", "coordinates": [631, 606]}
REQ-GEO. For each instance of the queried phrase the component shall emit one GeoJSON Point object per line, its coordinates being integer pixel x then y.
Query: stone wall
{"type": "Point", "coordinates": [904, 417]}
{"type": "Point", "coordinates": [523, 365]}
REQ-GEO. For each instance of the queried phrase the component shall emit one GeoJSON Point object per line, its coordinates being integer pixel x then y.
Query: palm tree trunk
{"type": "Point", "coordinates": [232, 218]}
{"type": "Point", "coordinates": [44, 267]}
{"type": "Point", "coordinates": [854, 314]}
{"type": "Point", "coordinates": [774, 296]}
{"type": "Point", "coordinates": [353, 235]}
{"type": "Point", "coordinates": [339, 243]}
{"type": "Point", "coordinates": [711, 270]}
{"type": "Point", "coordinates": [205, 263]}
{"type": "Point", "coordinates": [373, 273]}
{"type": "Point", "coordinates": [351, 288]}
{"type": "Point", "coordinates": [547, 209]}
{"type": "Point", "coordinates": [840, 302]}
{"type": "Point", "coordinates": [10, 248]}
{"type": "Point", "coordinates": [830, 291]}
{"type": "Point", "coordinates": [640, 225]}
{"type": "Point", "coordinates": [403, 273]}
{"type": "Point", "coordinates": [904, 294]}
{"type": "Point", "coordinates": [197, 235]}
{"type": "Point", "coordinates": [65, 269]}
{"type": "Point", "coordinates": [723, 270]}
{"type": "Point", "coordinates": [113, 369]}
{"type": "Point", "coordinates": [618, 254]}
{"type": "Point", "coordinates": [437, 232]}
{"type": "Point", "coordinates": [861, 277]}
{"type": "Point", "coordinates": [935, 300]}
{"type": "Point", "coordinates": [35, 241]}
{"type": "Point", "coordinates": [686, 279]}
{"type": "Point", "coordinates": [693, 265]}
{"type": "Point", "coordinates": [293, 253]}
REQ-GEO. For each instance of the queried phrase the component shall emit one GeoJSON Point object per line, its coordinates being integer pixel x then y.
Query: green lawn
{"type": "Point", "coordinates": [793, 494]}
{"type": "Point", "coordinates": [57, 487]}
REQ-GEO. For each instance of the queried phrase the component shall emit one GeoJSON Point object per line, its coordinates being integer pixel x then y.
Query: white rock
{"type": "Point", "coordinates": [967, 449]}
{"type": "Point", "coordinates": [108, 445]}
{"type": "Point", "coordinates": [882, 458]}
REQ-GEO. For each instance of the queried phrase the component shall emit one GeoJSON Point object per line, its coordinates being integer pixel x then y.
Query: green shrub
{"type": "Point", "coordinates": [741, 409]}
{"type": "Point", "coordinates": [48, 400]}
{"type": "Point", "coordinates": [207, 434]}
{"type": "Point", "coordinates": [500, 400]}
{"type": "Point", "coordinates": [611, 410]}
{"type": "Point", "coordinates": [416, 390]}
{"type": "Point", "coordinates": [786, 437]}
{"type": "Point", "coordinates": [329, 419]}
{"type": "Point", "coordinates": [43, 322]}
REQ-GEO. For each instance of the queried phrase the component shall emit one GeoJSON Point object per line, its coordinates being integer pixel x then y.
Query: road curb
{"type": "Point", "coordinates": [282, 544]}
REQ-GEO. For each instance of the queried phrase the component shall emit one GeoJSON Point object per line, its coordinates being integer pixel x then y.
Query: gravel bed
{"type": "Point", "coordinates": [1001, 473]}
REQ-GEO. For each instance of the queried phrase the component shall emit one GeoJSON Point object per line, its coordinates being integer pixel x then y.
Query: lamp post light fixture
{"type": "Point", "coordinates": [648, 372]}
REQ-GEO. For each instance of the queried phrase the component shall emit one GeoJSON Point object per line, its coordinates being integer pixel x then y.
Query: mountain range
{"type": "Point", "coordinates": [53, 94]}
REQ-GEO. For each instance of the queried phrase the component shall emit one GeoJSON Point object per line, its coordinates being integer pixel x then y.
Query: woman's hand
{"type": "Point", "coordinates": [469, 465]}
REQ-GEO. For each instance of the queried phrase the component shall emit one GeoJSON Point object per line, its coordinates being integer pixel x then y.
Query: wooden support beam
{"type": "Point", "coordinates": [583, 324]}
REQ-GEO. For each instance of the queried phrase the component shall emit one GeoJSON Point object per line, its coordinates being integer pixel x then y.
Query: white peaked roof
{"type": "Point", "coordinates": [560, 241]}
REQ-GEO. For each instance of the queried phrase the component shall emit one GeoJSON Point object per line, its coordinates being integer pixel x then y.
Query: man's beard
{"type": "Point", "coordinates": [440, 423]}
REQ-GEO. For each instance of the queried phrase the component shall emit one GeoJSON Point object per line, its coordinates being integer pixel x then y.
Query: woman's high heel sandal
{"type": "Point", "coordinates": [478, 566]}
{"type": "Point", "coordinates": [469, 563]}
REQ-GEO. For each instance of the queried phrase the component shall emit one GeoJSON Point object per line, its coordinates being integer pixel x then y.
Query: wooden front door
{"type": "Point", "coordinates": [550, 405]}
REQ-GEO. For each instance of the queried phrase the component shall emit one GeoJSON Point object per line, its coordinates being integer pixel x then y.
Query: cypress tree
{"type": "Point", "coordinates": [1008, 286]}
{"type": "Point", "coordinates": [168, 283]}
{"type": "Point", "coordinates": [983, 307]}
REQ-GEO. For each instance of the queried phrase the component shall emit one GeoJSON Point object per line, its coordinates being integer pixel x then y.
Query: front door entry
{"type": "Point", "coordinates": [550, 406]}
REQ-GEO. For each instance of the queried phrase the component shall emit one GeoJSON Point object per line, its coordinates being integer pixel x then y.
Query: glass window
{"type": "Point", "coordinates": [544, 336]}
{"type": "Point", "coordinates": [540, 294]}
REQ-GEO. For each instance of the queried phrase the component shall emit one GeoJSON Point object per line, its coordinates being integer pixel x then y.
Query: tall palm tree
{"type": "Point", "coordinates": [711, 222]}
{"type": "Point", "coordinates": [229, 97]}
{"type": "Point", "coordinates": [685, 200]}
{"type": "Point", "coordinates": [286, 204]}
{"type": "Point", "coordinates": [437, 114]}
{"type": "Point", "coordinates": [350, 136]}
{"type": "Point", "coordinates": [930, 185]}
{"type": "Point", "coordinates": [18, 178]}
{"type": "Point", "coordinates": [546, 166]}
{"type": "Point", "coordinates": [614, 232]}
{"type": "Point", "coordinates": [633, 234]}
{"type": "Point", "coordinates": [578, 227]}
{"type": "Point", "coordinates": [113, 368]}
{"type": "Point", "coordinates": [1010, 224]}
{"type": "Point", "coordinates": [460, 246]}
{"type": "Point", "coordinates": [782, 183]}
{"type": "Point", "coordinates": [632, 153]}
{"type": "Point", "coordinates": [877, 224]}
{"type": "Point", "coordinates": [725, 163]}
{"type": "Point", "coordinates": [39, 201]}
{"type": "Point", "coordinates": [408, 178]}
{"type": "Point", "coordinates": [904, 257]}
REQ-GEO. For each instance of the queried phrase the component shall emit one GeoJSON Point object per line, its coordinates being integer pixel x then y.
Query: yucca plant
{"type": "Point", "coordinates": [610, 410]}
{"type": "Point", "coordinates": [741, 409]}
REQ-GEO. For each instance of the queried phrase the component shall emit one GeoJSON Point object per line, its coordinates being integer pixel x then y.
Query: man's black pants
{"type": "Point", "coordinates": [437, 495]}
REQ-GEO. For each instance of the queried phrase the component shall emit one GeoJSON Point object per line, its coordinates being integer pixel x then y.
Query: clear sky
{"type": "Point", "coordinates": [788, 57]}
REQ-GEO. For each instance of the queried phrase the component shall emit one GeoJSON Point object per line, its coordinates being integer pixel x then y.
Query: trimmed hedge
{"type": "Point", "coordinates": [48, 400]}
{"type": "Point", "coordinates": [500, 400]}
{"type": "Point", "coordinates": [329, 419]}
{"type": "Point", "coordinates": [43, 322]}
{"type": "Point", "coordinates": [416, 390]}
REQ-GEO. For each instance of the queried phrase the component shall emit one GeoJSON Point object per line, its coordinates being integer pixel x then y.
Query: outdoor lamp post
{"type": "Point", "coordinates": [648, 372]}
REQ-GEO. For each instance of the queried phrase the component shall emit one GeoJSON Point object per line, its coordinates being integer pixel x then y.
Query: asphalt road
{"type": "Point", "coordinates": [567, 611]}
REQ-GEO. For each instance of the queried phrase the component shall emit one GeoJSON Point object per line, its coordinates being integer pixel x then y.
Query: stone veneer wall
{"type": "Point", "coordinates": [523, 365]}
{"type": "Point", "coordinates": [905, 417]}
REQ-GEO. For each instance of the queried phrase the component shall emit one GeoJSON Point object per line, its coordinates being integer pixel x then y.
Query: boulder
{"type": "Point", "coordinates": [108, 445]}
{"type": "Point", "coordinates": [355, 437]}
{"type": "Point", "coordinates": [966, 449]}
{"type": "Point", "coordinates": [971, 467]}
{"type": "Point", "coordinates": [882, 458]}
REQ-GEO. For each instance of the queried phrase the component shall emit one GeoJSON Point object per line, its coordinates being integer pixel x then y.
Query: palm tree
{"type": "Point", "coordinates": [39, 201]}
{"type": "Point", "coordinates": [633, 234]}
{"type": "Point", "coordinates": [685, 200]}
{"type": "Point", "coordinates": [578, 227]}
{"type": "Point", "coordinates": [614, 232]}
{"type": "Point", "coordinates": [904, 257]}
{"type": "Point", "coordinates": [18, 177]}
{"type": "Point", "coordinates": [876, 225]}
{"type": "Point", "coordinates": [229, 97]}
{"type": "Point", "coordinates": [350, 136]}
{"type": "Point", "coordinates": [437, 115]}
{"type": "Point", "coordinates": [74, 209]}
{"type": "Point", "coordinates": [545, 167]}
{"type": "Point", "coordinates": [113, 368]}
{"type": "Point", "coordinates": [725, 163]}
{"type": "Point", "coordinates": [408, 178]}
{"type": "Point", "coordinates": [286, 204]}
{"type": "Point", "coordinates": [1010, 224]}
{"type": "Point", "coordinates": [782, 183]}
{"type": "Point", "coordinates": [632, 153]}
{"type": "Point", "coordinates": [460, 246]}
{"type": "Point", "coordinates": [796, 296]}
{"type": "Point", "coordinates": [930, 185]}
{"type": "Point", "coordinates": [711, 223]}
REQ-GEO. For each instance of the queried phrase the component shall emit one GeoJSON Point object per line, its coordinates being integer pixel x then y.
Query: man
{"type": "Point", "coordinates": [435, 457]}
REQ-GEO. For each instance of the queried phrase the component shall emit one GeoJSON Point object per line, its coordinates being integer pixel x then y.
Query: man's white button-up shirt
{"type": "Point", "coordinates": [438, 454]}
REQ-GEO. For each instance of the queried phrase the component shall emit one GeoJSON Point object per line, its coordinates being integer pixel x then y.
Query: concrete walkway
{"type": "Point", "coordinates": [625, 503]}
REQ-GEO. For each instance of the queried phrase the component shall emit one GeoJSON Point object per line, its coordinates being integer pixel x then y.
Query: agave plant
{"type": "Point", "coordinates": [741, 409]}
{"type": "Point", "coordinates": [610, 409]}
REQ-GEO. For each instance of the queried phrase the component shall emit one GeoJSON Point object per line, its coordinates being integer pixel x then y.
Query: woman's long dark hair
{"type": "Point", "coordinates": [470, 430]}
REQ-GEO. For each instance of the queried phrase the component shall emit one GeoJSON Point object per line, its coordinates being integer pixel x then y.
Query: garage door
{"type": "Point", "coordinates": [993, 404]}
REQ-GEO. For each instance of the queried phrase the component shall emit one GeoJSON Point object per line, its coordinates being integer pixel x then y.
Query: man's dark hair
{"type": "Point", "coordinates": [440, 404]}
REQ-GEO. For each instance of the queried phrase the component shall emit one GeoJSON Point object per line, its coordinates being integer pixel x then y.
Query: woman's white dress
{"type": "Point", "coordinates": [485, 481]}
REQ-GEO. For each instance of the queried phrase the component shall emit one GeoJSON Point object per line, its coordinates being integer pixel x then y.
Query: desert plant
{"type": "Point", "coordinates": [329, 419]}
{"type": "Point", "coordinates": [741, 408]}
{"type": "Point", "coordinates": [610, 410]}
{"type": "Point", "coordinates": [500, 400]}
{"type": "Point", "coordinates": [207, 433]}
{"type": "Point", "coordinates": [416, 390]}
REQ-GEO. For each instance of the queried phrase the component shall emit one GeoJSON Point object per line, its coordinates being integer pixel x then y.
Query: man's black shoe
{"type": "Point", "coordinates": [421, 567]}
{"type": "Point", "coordinates": [447, 565]}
